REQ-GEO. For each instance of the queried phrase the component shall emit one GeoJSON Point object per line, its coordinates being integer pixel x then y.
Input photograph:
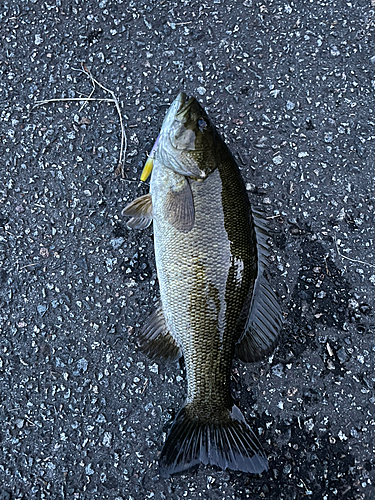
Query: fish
{"type": "Point", "coordinates": [211, 250]}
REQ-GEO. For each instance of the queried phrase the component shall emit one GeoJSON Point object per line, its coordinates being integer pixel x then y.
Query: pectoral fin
{"type": "Point", "coordinates": [179, 206]}
{"type": "Point", "coordinates": [140, 211]}
{"type": "Point", "coordinates": [156, 341]}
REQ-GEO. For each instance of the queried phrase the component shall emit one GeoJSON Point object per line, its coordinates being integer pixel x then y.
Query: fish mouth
{"type": "Point", "coordinates": [185, 103]}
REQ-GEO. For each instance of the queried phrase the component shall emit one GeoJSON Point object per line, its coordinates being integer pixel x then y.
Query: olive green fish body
{"type": "Point", "coordinates": [210, 251]}
{"type": "Point", "coordinates": [204, 281]}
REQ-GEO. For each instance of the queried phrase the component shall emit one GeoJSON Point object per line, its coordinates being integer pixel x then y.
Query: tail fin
{"type": "Point", "coordinates": [231, 444]}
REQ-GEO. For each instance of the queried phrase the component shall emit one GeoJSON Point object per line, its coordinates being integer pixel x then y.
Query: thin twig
{"type": "Point", "coordinates": [120, 168]}
{"type": "Point", "coordinates": [29, 265]}
{"type": "Point", "coordinates": [92, 83]}
{"type": "Point", "coordinates": [325, 261]}
{"type": "Point", "coordinates": [39, 103]}
{"type": "Point", "coordinates": [30, 422]}
{"type": "Point", "coordinates": [144, 386]}
{"type": "Point", "coordinates": [351, 260]}
{"type": "Point", "coordinates": [124, 143]}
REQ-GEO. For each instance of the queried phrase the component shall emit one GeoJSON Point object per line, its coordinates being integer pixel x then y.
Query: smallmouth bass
{"type": "Point", "coordinates": [211, 250]}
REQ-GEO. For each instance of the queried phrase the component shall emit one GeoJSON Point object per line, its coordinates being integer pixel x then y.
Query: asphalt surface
{"type": "Point", "coordinates": [291, 87]}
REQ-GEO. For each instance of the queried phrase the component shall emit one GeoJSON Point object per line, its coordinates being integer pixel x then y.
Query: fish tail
{"type": "Point", "coordinates": [228, 444]}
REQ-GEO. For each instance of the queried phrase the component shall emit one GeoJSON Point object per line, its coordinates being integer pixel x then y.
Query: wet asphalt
{"type": "Point", "coordinates": [290, 86]}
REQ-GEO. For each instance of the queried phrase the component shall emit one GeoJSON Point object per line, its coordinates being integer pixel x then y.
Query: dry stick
{"type": "Point", "coordinates": [119, 169]}
{"type": "Point", "coordinates": [29, 265]}
{"type": "Point", "coordinates": [93, 87]}
{"type": "Point", "coordinates": [124, 144]}
{"type": "Point", "coordinates": [351, 260]}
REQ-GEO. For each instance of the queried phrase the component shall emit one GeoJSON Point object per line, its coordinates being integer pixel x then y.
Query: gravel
{"type": "Point", "coordinates": [290, 86]}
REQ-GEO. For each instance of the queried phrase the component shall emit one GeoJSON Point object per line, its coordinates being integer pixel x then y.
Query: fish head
{"type": "Point", "coordinates": [187, 139]}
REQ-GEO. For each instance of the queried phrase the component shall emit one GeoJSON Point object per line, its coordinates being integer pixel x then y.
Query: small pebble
{"type": "Point", "coordinates": [38, 39]}
{"type": "Point", "coordinates": [117, 242]}
{"type": "Point", "coordinates": [290, 105]}
{"type": "Point", "coordinates": [342, 355]}
{"type": "Point", "coordinates": [42, 309]}
{"type": "Point", "coordinates": [328, 137]}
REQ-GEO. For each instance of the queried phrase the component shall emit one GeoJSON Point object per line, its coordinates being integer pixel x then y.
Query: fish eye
{"type": "Point", "coordinates": [202, 124]}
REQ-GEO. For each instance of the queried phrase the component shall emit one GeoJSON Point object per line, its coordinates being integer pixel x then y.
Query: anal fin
{"type": "Point", "coordinates": [156, 341]}
{"type": "Point", "coordinates": [140, 211]}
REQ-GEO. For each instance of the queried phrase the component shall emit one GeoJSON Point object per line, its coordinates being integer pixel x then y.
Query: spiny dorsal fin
{"type": "Point", "coordinates": [140, 211]}
{"type": "Point", "coordinates": [265, 319]}
{"type": "Point", "coordinates": [156, 341]}
{"type": "Point", "coordinates": [179, 206]}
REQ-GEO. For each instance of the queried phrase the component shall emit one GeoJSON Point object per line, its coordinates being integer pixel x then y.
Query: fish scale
{"type": "Point", "coordinates": [200, 266]}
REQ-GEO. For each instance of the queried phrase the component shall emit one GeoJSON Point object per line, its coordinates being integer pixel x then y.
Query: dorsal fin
{"type": "Point", "coordinates": [262, 236]}
{"type": "Point", "coordinates": [264, 319]}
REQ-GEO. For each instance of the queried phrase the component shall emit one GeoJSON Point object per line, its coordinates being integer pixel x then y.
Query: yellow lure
{"type": "Point", "coordinates": [147, 169]}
